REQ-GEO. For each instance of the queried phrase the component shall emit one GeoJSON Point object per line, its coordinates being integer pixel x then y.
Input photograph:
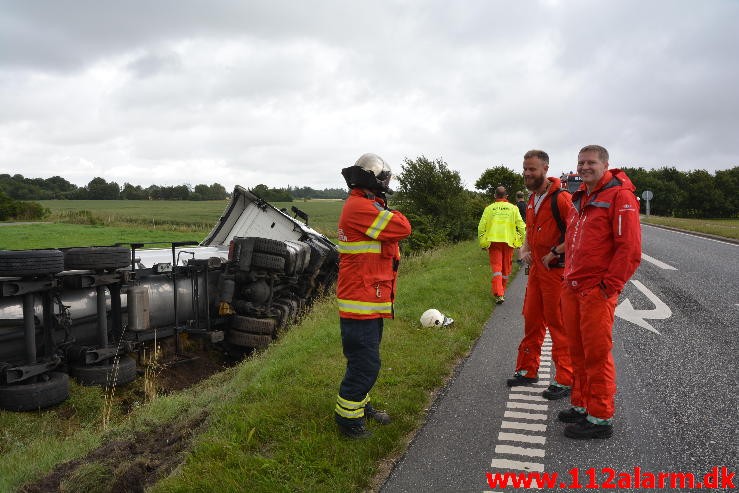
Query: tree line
{"type": "Point", "coordinates": [432, 194]}
{"type": "Point", "coordinates": [442, 210]}
{"type": "Point", "coordinates": [57, 188]}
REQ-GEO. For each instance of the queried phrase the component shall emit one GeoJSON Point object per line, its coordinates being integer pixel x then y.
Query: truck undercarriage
{"type": "Point", "coordinates": [81, 312]}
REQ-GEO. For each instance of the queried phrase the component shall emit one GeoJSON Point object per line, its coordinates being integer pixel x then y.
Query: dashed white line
{"type": "Point", "coordinates": [520, 415]}
{"type": "Point", "coordinates": [527, 397]}
{"type": "Point", "coordinates": [517, 465]}
{"type": "Point", "coordinates": [527, 388]}
{"type": "Point", "coordinates": [515, 425]}
{"type": "Point", "coordinates": [524, 405]}
{"type": "Point", "coordinates": [520, 437]}
{"type": "Point", "coordinates": [512, 450]}
{"type": "Point", "coordinates": [656, 262]}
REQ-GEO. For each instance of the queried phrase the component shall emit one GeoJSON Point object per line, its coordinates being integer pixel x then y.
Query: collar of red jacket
{"type": "Point", "coordinates": [360, 192]}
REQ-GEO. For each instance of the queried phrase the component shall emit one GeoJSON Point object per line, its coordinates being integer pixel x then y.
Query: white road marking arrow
{"type": "Point", "coordinates": [627, 311]}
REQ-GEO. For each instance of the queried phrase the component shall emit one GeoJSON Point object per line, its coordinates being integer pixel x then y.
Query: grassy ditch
{"type": "Point", "coordinates": [267, 424]}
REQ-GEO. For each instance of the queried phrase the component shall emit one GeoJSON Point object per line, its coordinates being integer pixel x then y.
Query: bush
{"type": "Point", "coordinates": [16, 210]}
{"type": "Point", "coordinates": [434, 199]}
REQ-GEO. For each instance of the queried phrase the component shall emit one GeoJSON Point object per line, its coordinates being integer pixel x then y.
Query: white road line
{"type": "Point", "coordinates": [518, 437]}
{"type": "Point", "coordinates": [517, 465]}
{"type": "Point", "coordinates": [526, 388]}
{"type": "Point", "coordinates": [656, 262]}
{"type": "Point", "coordinates": [545, 375]}
{"type": "Point", "coordinates": [526, 397]}
{"type": "Point", "coordinates": [520, 415]}
{"type": "Point", "coordinates": [510, 449]}
{"type": "Point", "coordinates": [515, 425]}
{"type": "Point", "coordinates": [523, 405]}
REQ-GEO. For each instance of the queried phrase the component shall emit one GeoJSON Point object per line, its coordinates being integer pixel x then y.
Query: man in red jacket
{"type": "Point", "coordinates": [368, 235]}
{"type": "Point", "coordinates": [543, 251]}
{"type": "Point", "coordinates": [602, 251]}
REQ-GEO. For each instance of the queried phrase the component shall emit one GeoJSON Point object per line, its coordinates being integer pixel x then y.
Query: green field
{"type": "Point", "coordinates": [75, 223]}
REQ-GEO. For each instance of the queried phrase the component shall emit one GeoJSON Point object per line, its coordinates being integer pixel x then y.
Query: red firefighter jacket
{"type": "Point", "coordinates": [603, 242]}
{"type": "Point", "coordinates": [368, 256]}
{"type": "Point", "coordinates": [542, 230]}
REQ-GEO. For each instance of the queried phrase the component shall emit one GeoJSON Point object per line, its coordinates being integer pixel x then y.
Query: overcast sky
{"type": "Point", "coordinates": [289, 92]}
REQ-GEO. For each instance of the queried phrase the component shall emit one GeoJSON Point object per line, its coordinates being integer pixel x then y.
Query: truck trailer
{"type": "Point", "coordinates": [82, 312]}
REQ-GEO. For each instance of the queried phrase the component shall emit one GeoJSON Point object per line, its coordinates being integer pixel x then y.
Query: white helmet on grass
{"type": "Point", "coordinates": [434, 318]}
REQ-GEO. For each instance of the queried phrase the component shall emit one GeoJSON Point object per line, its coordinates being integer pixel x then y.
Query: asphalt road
{"type": "Point", "coordinates": [675, 346]}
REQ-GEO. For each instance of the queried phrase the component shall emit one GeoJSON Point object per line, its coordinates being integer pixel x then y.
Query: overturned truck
{"type": "Point", "coordinates": [81, 312]}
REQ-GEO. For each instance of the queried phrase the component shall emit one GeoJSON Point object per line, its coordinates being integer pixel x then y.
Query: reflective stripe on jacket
{"type": "Point", "coordinates": [501, 223]}
{"type": "Point", "coordinates": [603, 242]}
{"type": "Point", "coordinates": [368, 256]}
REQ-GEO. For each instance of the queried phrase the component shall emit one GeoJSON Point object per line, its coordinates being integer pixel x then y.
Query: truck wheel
{"type": "Point", "coordinates": [97, 258]}
{"type": "Point", "coordinates": [106, 374]}
{"type": "Point", "coordinates": [24, 263]}
{"type": "Point", "coordinates": [254, 325]}
{"type": "Point", "coordinates": [52, 389]}
{"type": "Point", "coordinates": [248, 340]}
{"type": "Point", "coordinates": [269, 262]}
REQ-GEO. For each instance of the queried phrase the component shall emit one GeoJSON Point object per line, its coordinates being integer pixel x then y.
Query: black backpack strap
{"type": "Point", "coordinates": [557, 217]}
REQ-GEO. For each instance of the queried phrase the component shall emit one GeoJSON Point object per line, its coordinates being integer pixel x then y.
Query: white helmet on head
{"type": "Point", "coordinates": [434, 318]}
{"type": "Point", "coordinates": [370, 172]}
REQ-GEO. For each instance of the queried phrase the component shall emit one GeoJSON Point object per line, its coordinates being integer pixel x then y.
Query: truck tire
{"type": "Point", "coordinates": [24, 263]}
{"type": "Point", "coordinates": [52, 389]}
{"type": "Point", "coordinates": [243, 339]}
{"type": "Point", "coordinates": [106, 374]}
{"type": "Point", "coordinates": [265, 326]}
{"type": "Point", "coordinates": [96, 258]}
{"type": "Point", "coordinates": [268, 262]}
{"type": "Point", "coordinates": [267, 245]}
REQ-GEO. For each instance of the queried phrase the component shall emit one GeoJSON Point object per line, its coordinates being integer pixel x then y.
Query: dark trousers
{"type": "Point", "coordinates": [360, 340]}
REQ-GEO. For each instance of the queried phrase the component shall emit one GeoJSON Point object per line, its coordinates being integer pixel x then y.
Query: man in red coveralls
{"type": "Point", "coordinates": [368, 234]}
{"type": "Point", "coordinates": [602, 251]}
{"type": "Point", "coordinates": [543, 250]}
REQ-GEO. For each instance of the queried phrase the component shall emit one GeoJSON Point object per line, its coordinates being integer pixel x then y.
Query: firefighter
{"type": "Point", "coordinates": [603, 250]}
{"type": "Point", "coordinates": [369, 256]}
{"type": "Point", "coordinates": [501, 229]}
{"type": "Point", "coordinates": [543, 249]}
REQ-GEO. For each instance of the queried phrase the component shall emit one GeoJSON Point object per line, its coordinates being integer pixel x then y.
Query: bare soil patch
{"type": "Point", "coordinates": [123, 466]}
{"type": "Point", "coordinates": [134, 465]}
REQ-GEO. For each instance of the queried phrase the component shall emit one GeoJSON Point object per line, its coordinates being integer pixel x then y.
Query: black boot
{"type": "Point", "coordinates": [554, 392]}
{"type": "Point", "coordinates": [519, 380]}
{"type": "Point", "coordinates": [571, 415]}
{"type": "Point", "coordinates": [378, 416]}
{"type": "Point", "coordinates": [583, 430]}
{"type": "Point", "coordinates": [354, 431]}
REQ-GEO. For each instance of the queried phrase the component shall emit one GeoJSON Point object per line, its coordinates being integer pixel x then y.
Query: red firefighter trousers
{"type": "Point", "coordinates": [588, 318]}
{"type": "Point", "coordinates": [542, 309]}
{"type": "Point", "coordinates": [501, 257]}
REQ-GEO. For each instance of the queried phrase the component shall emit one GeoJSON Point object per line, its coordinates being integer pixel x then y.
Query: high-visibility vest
{"type": "Point", "coordinates": [501, 223]}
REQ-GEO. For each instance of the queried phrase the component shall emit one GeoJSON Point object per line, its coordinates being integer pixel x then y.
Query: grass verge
{"type": "Point", "coordinates": [270, 420]}
{"type": "Point", "coordinates": [728, 228]}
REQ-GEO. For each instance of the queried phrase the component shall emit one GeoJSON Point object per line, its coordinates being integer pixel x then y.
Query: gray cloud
{"type": "Point", "coordinates": [281, 92]}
